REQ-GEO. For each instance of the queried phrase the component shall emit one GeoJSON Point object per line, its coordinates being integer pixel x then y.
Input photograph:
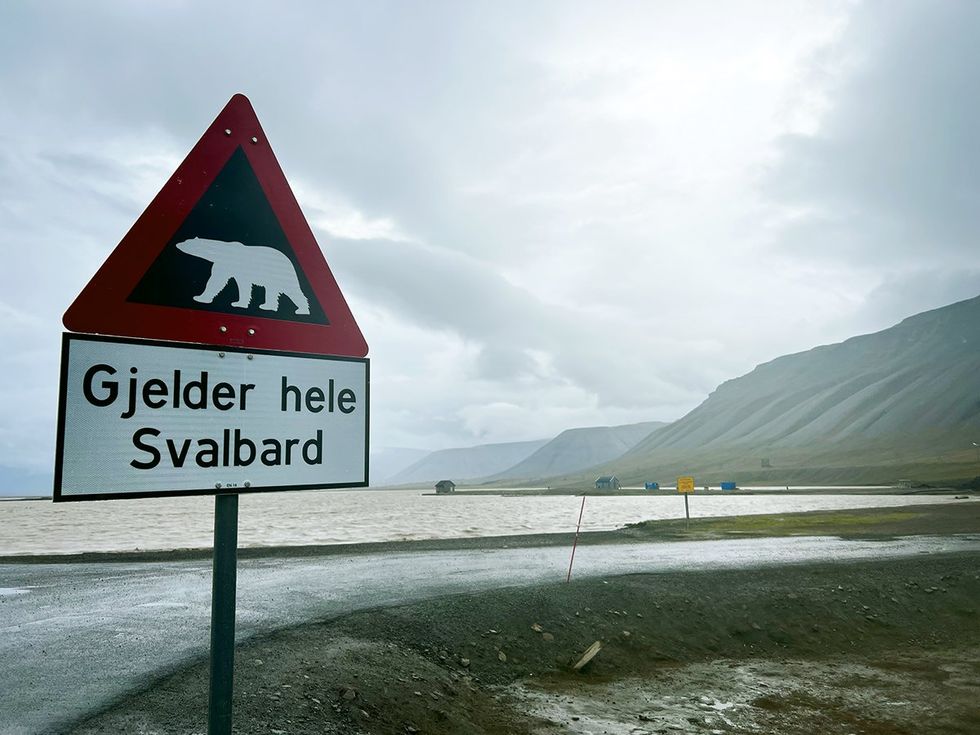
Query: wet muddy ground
{"type": "Point", "coordinates": [909, 692]}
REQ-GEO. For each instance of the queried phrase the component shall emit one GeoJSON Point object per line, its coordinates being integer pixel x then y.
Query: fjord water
{"type": "Point", "coordinates": [352, 516]}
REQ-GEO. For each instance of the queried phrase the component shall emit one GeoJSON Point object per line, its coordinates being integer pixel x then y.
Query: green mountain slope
{"type": "Point", "coordinates": [903, 402]}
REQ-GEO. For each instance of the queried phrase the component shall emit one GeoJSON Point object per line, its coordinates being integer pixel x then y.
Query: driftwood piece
{"type": "Point", "coordinates": [589, 654]}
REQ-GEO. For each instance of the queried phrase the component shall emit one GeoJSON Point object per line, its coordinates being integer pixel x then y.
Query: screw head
{"type": "Point", "coordinates": [227, 131]}
{"type": "Point", "coordinates": [221, 354]}
{"type": "Point", "coordinates": [249, 357]}
{"type": "Point", "coordinates": [217, 486]}
{"type": "Point", "coordinates": [251, 331]}
{"type": "Point", "coordinates": [248, 484]}
{"type": "Point", "coordinates": [254, 139]}
{"type": "Point", "coordinates": [222, 329]}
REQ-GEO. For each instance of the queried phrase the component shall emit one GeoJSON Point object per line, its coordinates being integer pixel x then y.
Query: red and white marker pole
{"type": "Point", "coordinates": [575, 543]}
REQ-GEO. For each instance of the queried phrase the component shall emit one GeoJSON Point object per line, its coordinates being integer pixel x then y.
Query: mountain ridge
{"type": "Point", "coordinates": [465, 463]}
{"type": "Point", "coordinates": [897, 403]}
{"type": "Point", "coordinates": [577, 449]}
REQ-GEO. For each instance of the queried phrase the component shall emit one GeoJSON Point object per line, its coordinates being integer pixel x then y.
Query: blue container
{"type": "Point", "coordinates": [651, 485]}
{"type": "Point", "coordinates": [728, 486]}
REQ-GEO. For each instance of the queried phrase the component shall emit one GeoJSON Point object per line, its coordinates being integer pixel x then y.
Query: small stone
{"type": "Point", "coordinates": [349, 694]}
{"type": "Point", "coordinates": [465, 662]}
{"type": "Point", "coordinates": [501, 656]}
{"type": "Point", "coordinates": [626, 634]}
{"type": "Point", "coordinates": [547, 637]}
{"type": "Point", "coordinates": [537, 628]}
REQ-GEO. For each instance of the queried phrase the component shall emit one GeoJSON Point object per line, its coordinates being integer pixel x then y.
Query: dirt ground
{"type": "Point", "coordinates": [886, 647]}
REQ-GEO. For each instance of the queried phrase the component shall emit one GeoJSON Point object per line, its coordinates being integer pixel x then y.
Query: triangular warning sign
{"type": "Point", "coordinates": [223, 256]}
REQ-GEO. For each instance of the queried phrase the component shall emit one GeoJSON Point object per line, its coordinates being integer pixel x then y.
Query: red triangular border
{"type": "Point", "coordinates": [102, 308]}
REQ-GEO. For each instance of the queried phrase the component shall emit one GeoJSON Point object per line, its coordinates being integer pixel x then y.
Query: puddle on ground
{"type": "Point", "coordinates": [765, 696]}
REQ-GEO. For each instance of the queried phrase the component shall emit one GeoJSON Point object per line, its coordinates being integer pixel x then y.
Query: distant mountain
{"type": "Point", "coordinates": [466, 463]}
{"type": "Point", "coordinates": [907, 398]}
{"type": "Point", "coordinates": [578, 449]}
{"type": "Point", "coordinates": [389, 461]}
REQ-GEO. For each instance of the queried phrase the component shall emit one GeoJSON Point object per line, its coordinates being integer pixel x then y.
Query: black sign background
{"type": "Point", "coordinates": [233, 209]}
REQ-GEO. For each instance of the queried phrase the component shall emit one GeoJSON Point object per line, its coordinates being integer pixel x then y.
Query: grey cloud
{"type": "Point", "coordinates": [892, 179]}
{"type": "Point", "coordinates": [910, 293]}
{"type": "Point", "coordinates": [446, 290]}
{"type": "Point", "coordinates": [446, 120]}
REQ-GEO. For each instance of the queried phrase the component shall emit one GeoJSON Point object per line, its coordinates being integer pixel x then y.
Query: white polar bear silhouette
{"type": "Point", "coordinates": [247, 266]}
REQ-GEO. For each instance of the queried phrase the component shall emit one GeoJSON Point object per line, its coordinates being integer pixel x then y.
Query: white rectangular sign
{"type": "Point", "coordinates": [139, 418]}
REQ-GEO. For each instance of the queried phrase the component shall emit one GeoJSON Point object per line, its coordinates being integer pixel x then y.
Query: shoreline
{"type": "Point", "coordinates": [699, 491]}
{"type": "Point", "coordinates": [512, 491]}
{"type": "Point", "coordinates": [875, 522]}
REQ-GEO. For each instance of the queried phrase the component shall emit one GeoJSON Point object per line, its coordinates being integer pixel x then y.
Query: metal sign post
{"type": "Point", "coordinates": [685, 485]}
{"type": "Point", "coordinates": [223, 587]}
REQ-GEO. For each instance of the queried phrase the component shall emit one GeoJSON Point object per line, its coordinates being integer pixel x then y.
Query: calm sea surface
{"type": "Point", "coordinates": [330, 517]}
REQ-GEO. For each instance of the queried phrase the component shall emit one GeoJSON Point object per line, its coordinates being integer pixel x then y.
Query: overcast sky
{"type": "Point", "coordinates": [543, 215]}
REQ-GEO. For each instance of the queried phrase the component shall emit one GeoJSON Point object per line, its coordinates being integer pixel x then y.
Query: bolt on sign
{"type": "Point", "coordinates": [685, 484]}
{"type": "Point", "coordinates": [213, 351]}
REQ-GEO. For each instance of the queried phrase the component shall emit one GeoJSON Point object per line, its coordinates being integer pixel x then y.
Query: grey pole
{"type": "Point", "coordinates": [223, 583]}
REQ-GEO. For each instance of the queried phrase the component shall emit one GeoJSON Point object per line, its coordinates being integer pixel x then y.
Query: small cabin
{"type": "Point", "coordinates": [728, 485]}
{"type": "Point", "coordinates": [651, 485]}
{"type": "Point", "coordinates": [607, 482]}
{"type": "Point", "coordinates": [445, 486]}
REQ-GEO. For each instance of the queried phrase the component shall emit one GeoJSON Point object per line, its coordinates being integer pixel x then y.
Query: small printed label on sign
{"type": "Point", "coordinates": [685, 484]}
{"type": "Point", "coordinates": [141, 418]}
